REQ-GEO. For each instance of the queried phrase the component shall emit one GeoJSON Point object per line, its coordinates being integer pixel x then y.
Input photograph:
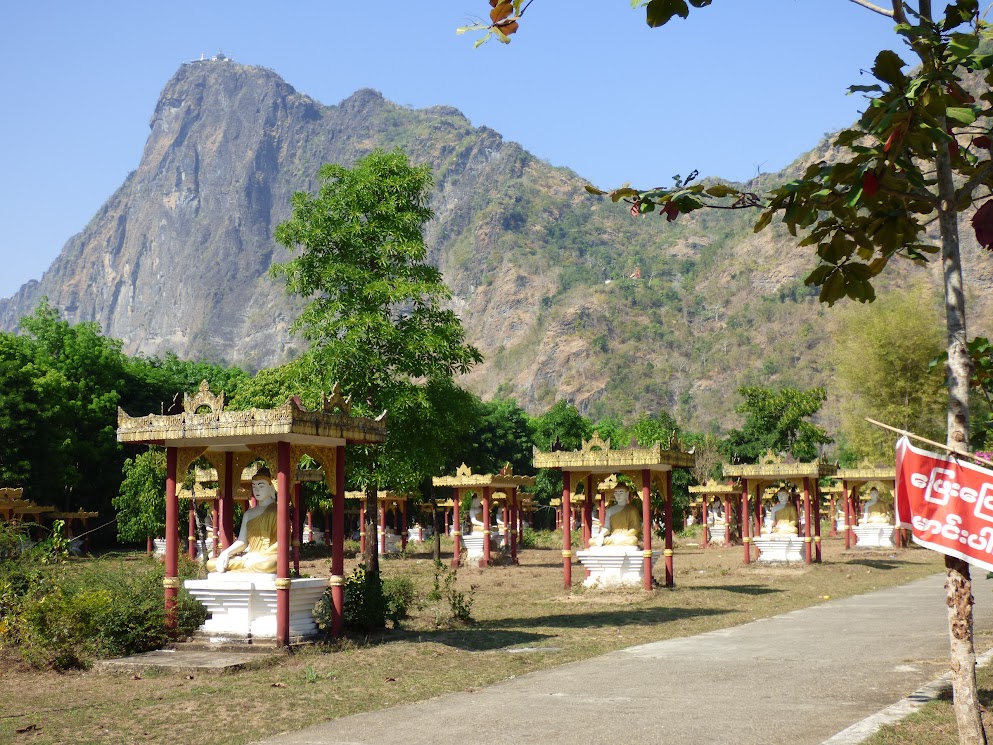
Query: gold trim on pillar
{"type": "Point", "coordinates": [336, 580]}
{"type": "Point", "coordinates": [567, 554]}
{"type": "Point", "coordinates": [170, 583]}
{"type": "Point", "coordinates": [283, 583]}
{"type": "Point", "coordinates": [668, 552]}
{"type": "Point", "coordinates": [647, 553]}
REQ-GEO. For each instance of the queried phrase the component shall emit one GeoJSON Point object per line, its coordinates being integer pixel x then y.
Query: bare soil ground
{"type": "Point", "coordinates": [524, 620]}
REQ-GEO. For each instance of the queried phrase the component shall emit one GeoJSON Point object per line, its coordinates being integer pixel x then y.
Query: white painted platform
{"type": "Point", "coordinates": [779, 549]}
{"type": "Point", "coordinates": [614, 566]}
{"type": "Point", "coordinates": [874, 536]}
{"type": "Point", "coordinates": [242, 605]}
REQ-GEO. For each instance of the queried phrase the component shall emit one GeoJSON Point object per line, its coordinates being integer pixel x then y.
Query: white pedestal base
{"type": "Point", "coordinates": [473, 543]}
{"type": "Point", "coordinates": [717, 531]}
{"type": "Point", "coordinates": [615, 566]}
{"type": "Point", "coordinates": [874, 536]}
{"type": "Point", "coordinates": [414, 535]}
{"type": "Point", "coordinates": [242, 605]}
{"type": "Point", "coordinates": [311, 535]}
{"type": "Point", "coordinates": [392, 542]}
{"type": "Point", "coordinates": [779, 550]}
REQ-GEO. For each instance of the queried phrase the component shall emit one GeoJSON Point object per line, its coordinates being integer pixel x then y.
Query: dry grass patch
{"type": "Point", "coordinates": [525, 621]}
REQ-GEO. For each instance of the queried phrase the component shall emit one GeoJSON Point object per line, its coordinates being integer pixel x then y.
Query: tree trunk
{"type": "Point", "coordinates": [438, 527]}
{"type": "Point", "coordinates": [958, 583]}
{"type": "Point", "coordinates": [371, 528]}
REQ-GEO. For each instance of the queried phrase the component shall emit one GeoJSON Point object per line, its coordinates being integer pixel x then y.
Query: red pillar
{"type": "Point", "coordinates": [191, 537]}
{"type": "Point", "coordinates": [403, 524]}
{"type": "Point", "coordinates": [327, 519]}
{"type": "Point", "coordinates": [807, 520]}
{"type": "Point", "coordinates": [337, 581]}
{"type": "Point", "coordinates": [457, 529]}
{"type": "Point", "coordinates": [670, 574]}
{"type": "Point", "coordinates": [297, 525]}
{"type": "Point", "coordinates": [706, 517]}
{"type": "Point", "coordinates": [486, 527]}
{"type": "Point", "coordinates": [817, 522]}
{"type": "Point", "coordinates": [283, 541]}
{"type": "Point", "coordinates": [566, 534]}
{"type": "Point", "coordinates": [226, 522]}
{"type": "Point", "coordinates": [745, 537]}
{"type": "Point", "coordinates": [834, 529]}
{"type": "Point", "coordinates": [848, 514]}
{"type": "Point", "coordinates": [171, 580]}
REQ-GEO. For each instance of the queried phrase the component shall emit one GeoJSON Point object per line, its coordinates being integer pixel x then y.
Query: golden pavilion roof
{"type": "Point", "coordinates": [714, 488]}
{"type": "Point", "coordinates": [867, 473]}
{"type": "Point", "coordinates": [596, 456]}
{"type": "Point", "coordinates": [218, 429]}
{"type": "Point", "coordinates": [464, 478]}
{"type": "Point", "coordinates": [775, 468]}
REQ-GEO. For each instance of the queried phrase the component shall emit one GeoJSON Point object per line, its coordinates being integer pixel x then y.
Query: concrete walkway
{"type": "Point", "coordinates": [796, 678]}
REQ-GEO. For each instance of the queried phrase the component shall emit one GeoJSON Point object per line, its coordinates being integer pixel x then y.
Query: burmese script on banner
{"type": "Point", "coordinates": [947, 503]}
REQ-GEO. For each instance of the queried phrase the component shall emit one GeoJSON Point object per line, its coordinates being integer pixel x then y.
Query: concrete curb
{"type": "Point", "coordinates": [862, 731]}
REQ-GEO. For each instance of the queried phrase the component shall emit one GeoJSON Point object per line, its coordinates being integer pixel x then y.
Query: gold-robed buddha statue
{"type": "Point", "coordinates": [785, 520]}
{"type": "Point", "coordinates": [621, 524]}
{"type": "Point", "coordinates": [255, 548]}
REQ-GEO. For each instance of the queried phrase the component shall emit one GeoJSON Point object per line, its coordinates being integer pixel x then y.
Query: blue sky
{"type": "Point", "coordinates": [738, 87]}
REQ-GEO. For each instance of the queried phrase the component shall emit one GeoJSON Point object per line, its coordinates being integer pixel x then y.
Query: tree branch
{"type": "Point", "coordinates": [977, 178]}
{"type": "Point", "coordinates": [874, 8]}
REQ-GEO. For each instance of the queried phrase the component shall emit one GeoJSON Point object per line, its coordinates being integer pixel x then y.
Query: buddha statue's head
{"type": "Point", "coordinates": [874, 493]}
{"type": "Point", "coordinates": [781, 495]}
{"type": "Point", "coordinates": [621, 496]}
{"type": "Point", "coordinates": [262, 488]}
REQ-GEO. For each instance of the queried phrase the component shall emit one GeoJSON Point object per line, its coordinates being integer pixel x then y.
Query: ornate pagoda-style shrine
{"type": "Point", "coordinates": [232, 440]}
{"type": "Point", "coordinates": [484, 486]}
{"type": "Point", "coordinates": [773, 469]}
{"type": "Point", "coordinates": [716, 523]}
{"type": "Point", "coordinates": [642, 466]}
{"type": "Point", "coordinates": [853, 480]}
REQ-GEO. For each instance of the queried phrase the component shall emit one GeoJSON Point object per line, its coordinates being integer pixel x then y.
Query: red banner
{"type": "Point", "coordinates": [947, 503]}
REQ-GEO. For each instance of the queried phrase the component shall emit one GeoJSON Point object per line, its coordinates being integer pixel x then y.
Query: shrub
{"type": "Point", "coordinates": [459, 603]}
{"type": "Point", "coordinates": [365, 606]}
{"type": "Point", "coordinates": [528, 538]}
{"type": "Point", "coordinates": [400, 596]}
{"type": "Point", "coordinates": [64, 616]}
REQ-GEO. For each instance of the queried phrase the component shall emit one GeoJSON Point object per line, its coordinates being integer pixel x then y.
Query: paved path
{"type": "Point", "coordinates": [795, 678]}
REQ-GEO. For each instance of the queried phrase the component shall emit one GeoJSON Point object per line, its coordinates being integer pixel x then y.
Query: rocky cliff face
{"type": "Point", "coordinates": [177, 258]}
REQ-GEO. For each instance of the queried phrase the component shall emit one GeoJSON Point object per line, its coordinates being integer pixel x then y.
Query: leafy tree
{"type": "Point", "coordinates": [92, 368]}
{"type": "Point", "coordinates": [31, 413]}
{"type": "Point", "coordinates": [920, 154]}
{"type": "Point", "coordinates": [375, 318]}
{"type": "Point", "coordinates": [882, 355]}
{"type": "Point", "coordinates": [141, 501]}
{"type": "Point", "coordinates": [154, 382]}
{"type": "Point", "coordinates": [649, 429]}
{"type": "Point", "coordinates": [500, 434]}
{"type": "Point", "coordinates": [776, 420]}
{"type": "Point", "coordinates": [561, 426]}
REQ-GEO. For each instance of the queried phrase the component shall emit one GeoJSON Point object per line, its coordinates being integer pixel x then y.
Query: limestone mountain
{"type": "Point", "coordinates": [565, 294]}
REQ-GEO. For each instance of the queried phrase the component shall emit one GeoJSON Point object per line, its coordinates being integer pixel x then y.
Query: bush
{"type": "Point", "coordinates": [459, 603]}
{"type": "Point", "coordinates": [369, 602]}
{"type": "Point", "coordinates": [64, 616]}
{"type": "Point", "coordinates": [400, 596]}
{"type": "Point", "coordinates": [365, 606]}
